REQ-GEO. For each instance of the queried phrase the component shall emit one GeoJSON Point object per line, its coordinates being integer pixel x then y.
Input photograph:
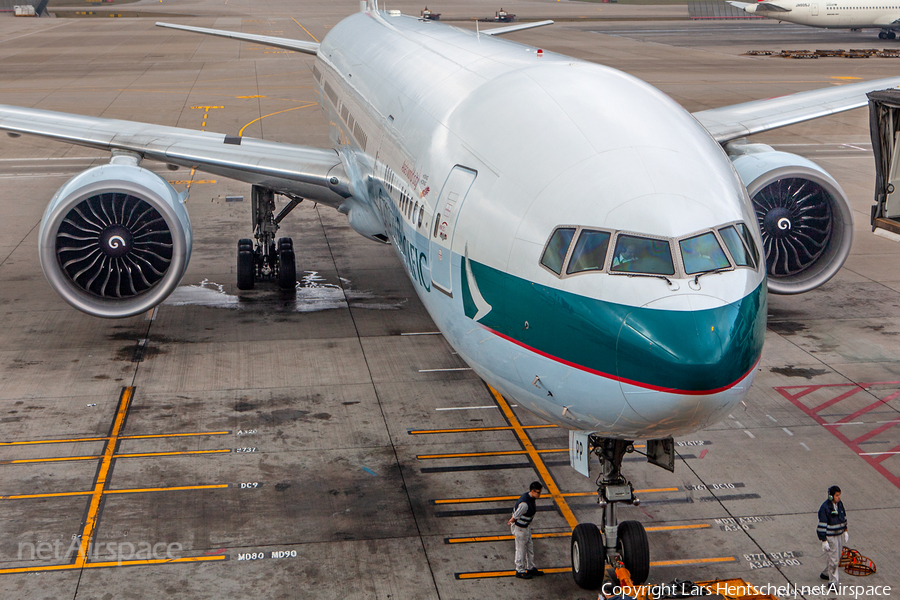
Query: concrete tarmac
{"type": "Point", "coordinates": [236, 444]}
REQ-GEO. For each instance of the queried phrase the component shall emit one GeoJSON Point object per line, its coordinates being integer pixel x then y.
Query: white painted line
{"type": "Point", "coordinates": [423, 333]}
{"type": "Point", "coordinates": [894, 421]}
{"type": "Point", "coordinates": [738, 424]}
{"type": "Point", "coordinates": [151, 316]}
{"type": "Point", "coordinates": [750, 434]}
{"type": "Point", "coordinates": [787, 431]}
{"type": "Point", "coordinates": [876, 453]}
{"type": "Point", "coordinates": [839, 424]}
{"type": "Point", "coordinates": [805, 446]}
{"type": "Point", "coordinates": [852, 146]}
{"type": "Point", "coordinates": [473, 407]}
{"type": "Point", "coordinates": [774, 420]}
{"type": "Point", "coordinates": [444, 370]}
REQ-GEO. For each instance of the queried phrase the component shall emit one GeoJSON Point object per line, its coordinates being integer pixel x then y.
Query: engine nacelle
{"type": "Point", "coordinates": [803, 215]}
{"type": "Point", "coordinates": [115, 240]}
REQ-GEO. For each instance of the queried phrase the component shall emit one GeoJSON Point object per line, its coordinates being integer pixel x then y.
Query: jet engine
{"type": "Point", "coordinates": [115, 240]}
{"type": "Point", "coordinates": [803, 215]}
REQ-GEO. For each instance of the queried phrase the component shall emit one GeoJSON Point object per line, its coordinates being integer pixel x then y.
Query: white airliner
{"type": "Point", "coordinates": [599, 255]}
{"type": "Point", "coordinates": [839, 14]}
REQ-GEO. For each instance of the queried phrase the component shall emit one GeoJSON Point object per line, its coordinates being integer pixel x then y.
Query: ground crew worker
{"type": "Point", "coordinates": [520, 525]}
{"type": "Point", "coordinates": [832, 532]}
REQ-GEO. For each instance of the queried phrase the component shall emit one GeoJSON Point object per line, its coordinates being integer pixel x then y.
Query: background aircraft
{"type": "Point", "coordinates": [600, 256]}
{"type": "Point", "coordinates": [843, 14]}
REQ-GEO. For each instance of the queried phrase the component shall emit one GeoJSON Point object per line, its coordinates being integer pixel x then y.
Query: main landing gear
{"type": "Point", "coordinates": [267, 259]}
{"type": "Point", "coordinates": [886, 34]}
{"type": "Point", "coordinates": [617, 543]}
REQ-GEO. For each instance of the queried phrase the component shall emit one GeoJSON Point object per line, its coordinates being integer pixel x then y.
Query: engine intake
{"type": "Point", "coordinates": [115, 240]}
{"type": "Point", "coordinates": [803, 215]}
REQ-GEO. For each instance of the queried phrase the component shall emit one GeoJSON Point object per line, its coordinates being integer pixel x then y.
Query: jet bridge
{"type": "Point", "coordinates": [884, 126]}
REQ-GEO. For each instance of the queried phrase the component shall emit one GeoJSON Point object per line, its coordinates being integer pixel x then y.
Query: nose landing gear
{"type": "Point", "coordinates": [613, 542]}
{"type": "Point", "coordinates": [267, 259]}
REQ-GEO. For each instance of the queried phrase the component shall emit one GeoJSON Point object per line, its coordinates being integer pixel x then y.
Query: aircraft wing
{"type": "Point", "coordinates": [268, 40]}
{"type": "Point", "coordinates": [519, 27]}
{"type": "Point", "coordinates": [739, 120]}
{"type": "Point", "coordinates": [299, 170]}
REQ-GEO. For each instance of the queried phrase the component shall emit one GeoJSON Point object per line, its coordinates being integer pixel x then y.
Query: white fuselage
{"type": "Point", "coordinates": [477, 149]}
{"type": "Point", "coordinates": [843, 14]}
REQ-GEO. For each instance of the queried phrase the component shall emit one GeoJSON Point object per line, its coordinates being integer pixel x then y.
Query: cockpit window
{"type": "Point", "coordinates": [702, 253]}
{"type": "Point", "coordinates": [557, 249]}
{"type": "Point", "coordinates": [736, 247]}
{"type": "Point", "coordinates": [745, 231]}
{"type": "Point", "coordinates": [590, 252]}
{"type": "Point", "coordinates": [635, 254]}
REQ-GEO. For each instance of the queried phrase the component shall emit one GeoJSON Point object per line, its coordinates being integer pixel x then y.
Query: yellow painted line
{"type": "Point", "coordinates": [40, 460]}
{"type": "Point", "coordinates": [128, 491]}
{"type": "Point", "coordinates": [488, 574]}
{"type": "Point", "coordinates": [27, 496]}
{"type": "Point", "coordinates": [124, 563]}
{"type": "Point", "coordinates": [505, 538]}
{"type": "Point", "coordinates": [55, 441]}
{"type": "Point", "coordinates": [241, 132]}
{"type": "Point", "coordinates": [304, 29]}
{"type": "Point", "coordinates": [542, 470]}
{"type": "Point", "coordinates": [143, 454]}
{"type": "Point", "coordinates": [245, 97]}
{"type": "Point", "coordinates": [206, 107]}
{"type": "Point", "coordinates": [565, 495]}
{"type": "Point", "coordinates": [691, 561]}
{"type": "Point", "coordinates": [166, 435]}
{"type": "Point", "coordinates": [103, 439]}
{"type": "Point", "coordinates": [553, 570]}
{"type": "Point", "coordinates": [94, 507]}
{"type": "Point", "coordinates": [169, 489]}
{"type": "Point", "coordinates": [846, 78]}
{"type": "Point", "coordinates": [476, 429]}
{"type": "Point", "coordinates": [509, 538]}
{"type": "Point", "coordinates": [497, 453]}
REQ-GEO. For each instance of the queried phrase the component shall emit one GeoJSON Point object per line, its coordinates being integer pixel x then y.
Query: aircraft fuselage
{"type": "Point", "coordinates": [479, 150]}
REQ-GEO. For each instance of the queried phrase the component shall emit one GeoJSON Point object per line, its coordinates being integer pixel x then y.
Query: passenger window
{"type": "Point", "coordinates": [421, 214]}
{"type": "Point", "coordinates": [557, 248]}
{"type": "Point", "coordinates": [736, 247]}
{"type": "Point", "coordinates": [437, 220]}
{"type": "Point", "coordinates": [590, 252]}
{"type": "Point", "coordinates": [702, 253]}
{"type": "Point", "coordinates": [745, 231]}
{"type": "Point", "coordinates": [635, 254]}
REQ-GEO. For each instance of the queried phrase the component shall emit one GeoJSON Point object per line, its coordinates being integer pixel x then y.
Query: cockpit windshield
{"type": "Point", "coordinates": [736, 247]}
{"type": "Point", "coordinates": [557, 248]}
{"type": "Point", "coordinates": [634, 254]}
{"type": "Point", "coordinates": [702, 253]}
{"type": "Point", "coordinates": [590, 251]}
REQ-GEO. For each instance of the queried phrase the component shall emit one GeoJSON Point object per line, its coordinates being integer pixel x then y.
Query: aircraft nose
{"type": "Point", "coordinates": [694, 348]}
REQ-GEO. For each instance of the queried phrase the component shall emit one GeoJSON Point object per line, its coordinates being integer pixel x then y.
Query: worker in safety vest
{"type": "Point", "coordinates": [832, 532]}
{"type": "Point", "coordinates": [520, 525]}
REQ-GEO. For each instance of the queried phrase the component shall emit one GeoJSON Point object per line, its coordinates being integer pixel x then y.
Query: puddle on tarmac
{"type": "Point", "coordinates": [313, 293]}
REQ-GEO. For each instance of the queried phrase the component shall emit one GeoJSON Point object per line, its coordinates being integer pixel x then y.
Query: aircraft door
{"type": "Point", "coordinates": [447, 208]}
{"type": "Point", "coordinates": [814, 9]}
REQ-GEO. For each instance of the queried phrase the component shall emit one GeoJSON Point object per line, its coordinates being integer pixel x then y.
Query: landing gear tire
{"type": "Point", "coordinates": [245, 269]}
{"type": "Point", "coordinates": [634, 549]}
{"type": "Point", "coordinates": [245, 244]}
{"type": "Point", "coordinates": [287, 269]}
{"type": "Point", "coordinates": [587, 556]}
{"type": "Point", "coordinates": [882, 35]}
{"type": "Point", "coordinates": [891, 35]}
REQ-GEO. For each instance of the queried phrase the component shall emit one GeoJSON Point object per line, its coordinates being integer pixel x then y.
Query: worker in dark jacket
{"type": "Point", "coordinates": [520, 525]}
{"type": "Point", "coordinates": [832, 532]}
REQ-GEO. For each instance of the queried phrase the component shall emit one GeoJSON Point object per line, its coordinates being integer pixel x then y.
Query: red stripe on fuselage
{"type": "Point", "coordinates": [647, 386]}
